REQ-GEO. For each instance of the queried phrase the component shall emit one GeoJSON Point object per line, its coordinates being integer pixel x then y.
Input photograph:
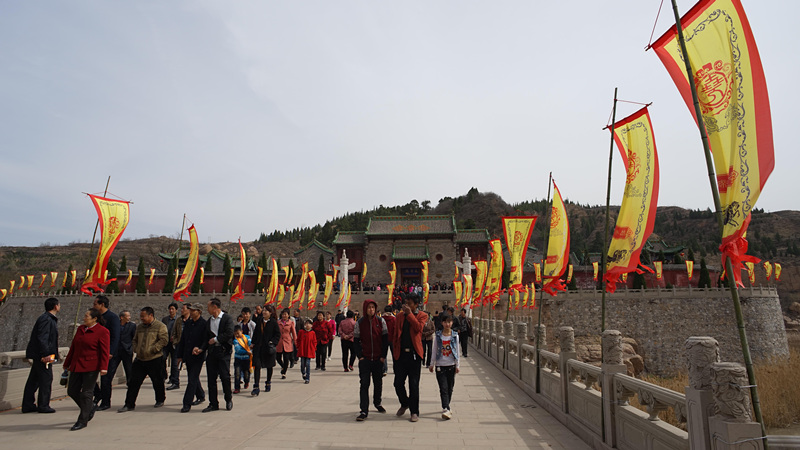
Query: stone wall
{"type": "Point", "coordinates": [661, 321]}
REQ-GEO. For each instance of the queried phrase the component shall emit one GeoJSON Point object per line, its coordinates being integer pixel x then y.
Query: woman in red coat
{"type": "Point", "coordinates": [285, 346]}
{"type": "Point", "coordinates": [87, 358]}
{"type": "Point", "coordinates": [323, 331]}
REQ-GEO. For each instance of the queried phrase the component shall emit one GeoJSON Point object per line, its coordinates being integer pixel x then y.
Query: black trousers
{"type": "Point", "coordinates": [103, 393]}
{"type": "Point", "coordinates": [446, 377]}
{"type": "Point", "coordinates": [126, 359]}
{"type": "Point", "coordinates": [284, 358]}
{"type": "Point", "coordinates": [174, 371]}
{"type": "Point", "coordinates": [321, 355]}
{"type": "Point", "coordinates": [347, 348]}
{"type": "Point", "coordinates": [427, 347]}
{"type": "Point", "coordinates": [330, 348]}
{"type": "Point", "coordinates": [80, 388]}
{"type": "Point", "coordinates": [39, 378]}
{"type": "Point", "coordinates": [370, 369]}
{"type": "Point", "coordinates": [464, 338]}
{"type": "Point", "coordinates": [257, 375]}
{"type": "Point", "coordinates": [408, 366]}
{"type": "Point", "coordinates": [218, 365]}
{"type": "Point", "coordinates": [142, 369]}
{"type": "Point", "coordinates": [194, 389]}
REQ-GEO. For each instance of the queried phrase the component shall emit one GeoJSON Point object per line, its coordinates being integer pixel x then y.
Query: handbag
{"type": "Point", "coordinates": [64, 377]}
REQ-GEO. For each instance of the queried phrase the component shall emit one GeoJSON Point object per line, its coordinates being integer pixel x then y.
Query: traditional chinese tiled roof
{"type": "Point", "coordinates": [481, 235]}
{"type": "Point", "coordinates": [314, 243]}
{"type": "Point", "coordinates": [416, 225]}
{"type": "Point", "coordinates": [349, 237]}
{"type": "Point", "coordinates": [410, 252]}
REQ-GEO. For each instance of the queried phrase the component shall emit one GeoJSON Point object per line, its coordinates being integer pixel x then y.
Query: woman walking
{"type": "Point", "coordinates": [285, 346]}
{"type": "Point", "coordinates": [87, 358]}
{"type": "Point", "coordinates": [446, 363]}
{"type": "Point", "coordinates": [265, 338]}
{"type": "Point", "coordinates": [323, 332]}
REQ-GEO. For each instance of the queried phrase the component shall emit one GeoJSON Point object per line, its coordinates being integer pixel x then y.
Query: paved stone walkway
{"type": "Point", "coordinates": [489, 411]}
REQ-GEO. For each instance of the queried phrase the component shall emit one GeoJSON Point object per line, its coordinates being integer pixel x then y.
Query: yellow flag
{"type": "Point", "coordinates": [113, 216]}
{"type": "Point", "coordinates": [457, 291]}
{"type": "Point", "coordinates": [480, 282]}
{"type": "Point", "coordinates": [238, 292]}
{"type": "Point", "coordinates": [328, 289]}
{"type": "Point", "coordinates": [291, 294]}
{"type": "Point", "coordinates": [525, 297]}
{"type": "Point", "coordinates": [516, 298]}
{"type": "Point", "coordinates": [595, 266]}
{"type": "Point", "coordinates": [11, 289]}
{"type": "Point", "coordinates": [286, 279]}
{"type": "Point", "coordinates": [312, 286]}
{"type": "Point", "coordinates": [74, 274]}
{"type": "Point", "coordinates": [537, 269]}
{"type": "Point", "coordinates": [44, 277]}
{"type": "Point", "coordinates": [364, 273]}
{"type": "Point", "coordinates": [53, 276]}
{"type": "Point", "coordinates": [64, 281]}
{"type": "Point", "coordinates": [281, 294]}
{"type": "Point", "coordinates": [494, 277]}
{"type": "Point", "coordinates": [425, 285]}
{"type": "Point", "coordinates": [130, 276]}
{"type": "Point", "coordinates": [732, 91]}
{"type": "Point", "coordinates": [467, 300]}
{"type": "Point", "coordinates": [426, 292]}
{"type": "Point", "coordinates": [3, 292]}
{"type": "Point", "coordinates": [635, 140]}
{"type": "Point", "coordinates": [777, 272]}
{"type": "Point", "coordinates": [625, 277]}
{"type": "Point", "coordinates": [751, 272]}
{"type": "Point", "coordinates": [272, 290]}
{"type": "Point", "coordinates": [393, 272]}
{"type": "Point", "coordinates": [260, 273]}
{"type": "Point", "coordinates": [557, 247]}
{"type": "Point", "coordinates": [768, 269]}
{"type": "Point", "coordinates": [569, 273]}
{"type": "Point", "coordinates": [517, 231]}
{"type": "Point", "coordinates": [690, 268]}
{"type": "Point", "coordinates": [202, 275]}
{"type": "Point", "coordinates": [390, 289]}
{"type": "Point", "coordinates": [659, 269]}
{"type": "Point", "coordinates": [301, 287]}
{"type": "Point", "coordinates": [21, 282]}
{"type": "Point", "coordinates": [186, 279]}
{"type": "Point", "coordinates": [152, 274]}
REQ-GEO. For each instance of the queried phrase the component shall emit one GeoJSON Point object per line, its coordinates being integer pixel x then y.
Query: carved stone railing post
{"type": "Point", "coordinates": [701, 353]}
{"type": "Point", "coordinates": [612, 364]}
{"type": "Point", "coordinates": [540, 331]}
{"type": "Point", "coordinates": [566, 337]}
{"type": "Point", "coordinates": [732, 426]}
{"type": "Point", "coordinates": [508, 330]}
{"type": "Point", "coordinates": [521, 332]}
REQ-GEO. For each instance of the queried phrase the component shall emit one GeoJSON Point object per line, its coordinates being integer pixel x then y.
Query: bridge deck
{"type": "Point", "coordinates": [489, 411]}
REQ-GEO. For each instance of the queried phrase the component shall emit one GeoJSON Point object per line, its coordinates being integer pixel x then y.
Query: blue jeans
{"type": "Point", "coordinates": [305, 368]}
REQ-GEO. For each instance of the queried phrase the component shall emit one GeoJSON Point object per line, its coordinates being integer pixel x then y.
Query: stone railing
{"type": "Point", "coordinates": [595, 402]}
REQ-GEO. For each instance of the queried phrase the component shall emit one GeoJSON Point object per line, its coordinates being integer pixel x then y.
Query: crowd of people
{"type": "Point", "coordinates": [258, 340]}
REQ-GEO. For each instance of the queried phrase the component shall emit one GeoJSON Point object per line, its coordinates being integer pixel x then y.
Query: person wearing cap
{"type": "Point", "coordinates": [190, 352]}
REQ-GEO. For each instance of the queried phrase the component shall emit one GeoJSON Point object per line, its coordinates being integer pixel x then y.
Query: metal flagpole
{"type": "Point", "coordinates": [541, 291]}
{"type": "Point", "coordinates": [751, 377]}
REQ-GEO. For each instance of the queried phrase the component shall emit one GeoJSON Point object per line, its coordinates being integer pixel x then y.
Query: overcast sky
{"type": "Point", "coordinates": [255, 116]}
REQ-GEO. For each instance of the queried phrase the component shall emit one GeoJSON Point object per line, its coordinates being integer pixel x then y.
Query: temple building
{"type": "Point", "coordinates": [407, 241]}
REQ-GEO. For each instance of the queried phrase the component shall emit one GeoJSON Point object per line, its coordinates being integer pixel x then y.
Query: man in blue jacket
{"type": "Point", "coordinates": [42, 350]}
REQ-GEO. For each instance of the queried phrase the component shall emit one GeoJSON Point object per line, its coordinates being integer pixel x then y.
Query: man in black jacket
{"type": "Point", "coordinates": [371, 342]}
{"type": "Point", "coordinates": [219, 343]}
{"type": "Point", "coordinates": [193, 335]}
{"type": "Point", "coordinates": [42, 350]}
{"type": "Point", "coordinates": [102, 394]}
{"type": "Point", "coordinates": [124, 354]}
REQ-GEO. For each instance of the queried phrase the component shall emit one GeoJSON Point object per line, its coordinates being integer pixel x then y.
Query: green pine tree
{"type": "Point", "coordinates": [321, 268]}
{"type": "Point", "coordinates": [141, 283]}
{"type": "Point", "coordinates": [123, 266]}
{"type": "Point", "coordinates": [112, 287]}
{"type": "Point", "coordinates": [705, 276]}
{"type": "Point", "coordinates": [169, 283]}
{"type": "Point", "coordinates": [226, 274]}
{"type": "Point", "coordinates": [691, 255]}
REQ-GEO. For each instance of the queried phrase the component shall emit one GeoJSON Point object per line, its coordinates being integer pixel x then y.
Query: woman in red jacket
{"type": "Point", "coordinates": [323, 331]}
{"type": "Point", "coordinates": [87, 358]}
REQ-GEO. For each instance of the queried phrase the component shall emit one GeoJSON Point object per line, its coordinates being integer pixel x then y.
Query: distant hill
{"type": "Point", "coordinates": [772, 236]}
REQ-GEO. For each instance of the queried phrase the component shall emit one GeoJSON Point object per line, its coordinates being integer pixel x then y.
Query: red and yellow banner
{"type": "Point", "coordinates": [425, 285]}
{"type": "Point", "coordinates": [525, 297]}
{"type": "Point", "coordinates": [290, 291]}
{"type": "Point", "coordinates": [557, 246]}
{"type": "Point", "coordinates": [457, 291]}
{"type": "Point", "coordinates": [260, 273]}
{"type": "Point", "coordinates": [364, 273]}
{"type": "Point", "coordinates": [113, 216]}
{"type": "Point", "coordinates": [569, 273]}
{"type": "Point", "coordinates": [328, 289]}
{"type": "Point", "coordinates": [517, 231]}
{"type": "Point", "coordinates": [768, 269]}
{"type": "Point", "coordinates": [393, 273]}
{"type": "Point", "coordinates": [624, 277]}
{"type": "Point", "coordinates": [285, 270]}
{"type": "Point", "coordinates": [494, 276]}
{"type": "Point", "coordinates": [130, 276]}
{"type": "Point", "coordinates": [64, 281]}
{"type": "Point", "coordinates": [152, 274]}
{"type": "Point", "coordinates": [515, 293]}
{"type": "Point", "coordinates": [636, 142]}
{"type": "Point", "coordinates": [281, 294]}
{"type": "Point", "coordinates": [732, 90]}
{"type": "Point", "coordinates": [21, 282]}
{"type": "Point", "coordinates": [467, 289]}
{"type": "Point", "coordinates": [537, 271]}
{"type": "Point", "coordinates": [390, 289]}
{"type": "Point", "coordinates": [11, 289]}
{"type": "Point", "coordinates": [44, 277]}
{"type": "Point", "coordinates": [202, 275]}
{"type": "Point", "coordinates": [312, 290]}
{"type": "Point", "coordinates": [189, 271]}
{"type": "Point", "coordinates": [53, 276]}
{"type": "Point", "coordinates": [272, 289]}
{"type": "Point", "coordinates": [480, 282]}
{"type": "Point", "coordinates": [777, 272]}
{"type": "Point", "coordinates": [3, 293]}
{"type": "Point", "coordinates": [300, 292]}
{"type": "Point", "coordinates": [74, 275]}
{"type": "Point", "coordinates": [595, 268]}
{"type": "Point", "coordinates": [751, 272]}
{"type": "Point", "coordinates": [690, 268]}
{"type": "Point", "coordinates": [659, 265]}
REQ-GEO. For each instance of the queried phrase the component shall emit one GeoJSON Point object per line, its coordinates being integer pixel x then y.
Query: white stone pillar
{"type": "Point", "coordinates": [732, 426]}
{"type": "Point", "coordinates": [566, 337]}
{"type": "Point", "coordinates": [701, 353]}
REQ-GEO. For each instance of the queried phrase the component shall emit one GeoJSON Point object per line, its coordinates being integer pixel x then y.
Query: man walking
{"type": "Point", "coordinates": [407, 350]}
{"type": "Point", "coordinates": [464, 331]}
{"type": "Point", "coordinates": [42, 350]}
{"type": "Point", "coordinates": [150, 339]}
{"type": "Point", "coordinates": [124, 353]}
{"type": "Point", "coordinates": [169, 351]}
{"type": "Point", "coordinates": [371, 341]}
{"type": "Point", "coordinates": [219, 343]}
{"type": "Point", "coordinates": [189, 352]}
{"type": "Point", "coordinates": [102, 395]}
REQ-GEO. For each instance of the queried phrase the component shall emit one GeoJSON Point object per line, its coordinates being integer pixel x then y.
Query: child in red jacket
{"type": "Point", "coordinates": [306, 349]}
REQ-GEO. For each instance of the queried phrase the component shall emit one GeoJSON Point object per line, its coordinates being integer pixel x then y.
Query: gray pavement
{"type": "Point", "coordinates": [489, 411]}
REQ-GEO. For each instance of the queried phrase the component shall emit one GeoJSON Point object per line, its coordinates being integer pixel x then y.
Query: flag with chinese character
{"type": "Point", "coordinates": [467, 288]}
{"type": "Point", "coordinates": [735, 109]}
{"type": "Point", "coordinates": [328, 289]}
{"type": "Point", "coordinates": [190, 270]}
{"type": "Point", "coordinates": [494, 277]}
{"type": "Point", "coordinates": [557, 246]}
{"type": "Point", "coordinates": [659, 269]}
{"type": "Point", "coordinates": [113, 216]}
{"type": "Point", "coordinates": [517, 231]}
{"type": "Point", "coordinates": [635, 140]}
{"type": "Point", "coordinates": [480, 282]}
{"type": "Point", "coordinates": [272, 290]}
{"type": "Point", "coordinates": [515, 293]}
{"type": "Point", "coordinates": [525, 297]}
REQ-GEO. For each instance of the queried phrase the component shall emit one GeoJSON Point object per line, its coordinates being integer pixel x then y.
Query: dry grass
{"type": "Point", "coordinates": [777, 389]}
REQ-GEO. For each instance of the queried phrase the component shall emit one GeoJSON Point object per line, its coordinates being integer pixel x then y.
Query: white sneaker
{"type": "Point", "coordinates": [446, 414]}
